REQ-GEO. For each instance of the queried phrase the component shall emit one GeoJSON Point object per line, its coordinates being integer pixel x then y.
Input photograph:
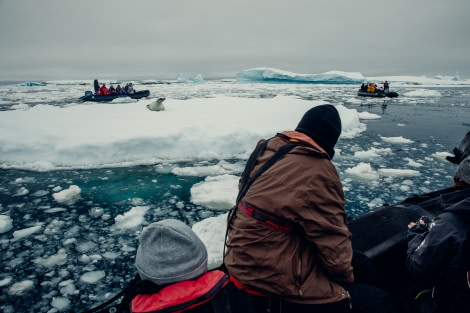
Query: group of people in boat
{"type": "Point", "coordinates": [288, 247]}
{"type": "Point", "coordinates": [103, 90]}
{"type": "Point", "coordinates": [372, 87]}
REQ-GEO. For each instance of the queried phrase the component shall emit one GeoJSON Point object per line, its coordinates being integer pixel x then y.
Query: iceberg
{"type": "Point", "coordinates": [270, 75]}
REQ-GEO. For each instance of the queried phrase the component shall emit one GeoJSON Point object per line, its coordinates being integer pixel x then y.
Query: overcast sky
{"type": "Point", "coordinates": [156, 39]}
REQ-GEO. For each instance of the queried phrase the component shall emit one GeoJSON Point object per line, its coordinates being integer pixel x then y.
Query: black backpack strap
{"type": "Point", "coordinates": [276, 157]}
{"type": "Point", "coordinates": [135, 286]}
{"type": "Point", "coordinates": [232, 300]}
{"type": "Point", "coordinates": [251, 163]}
{"type": "Point", "coordinates": [127, 293]}
{"type": "Point", "coordinates": [246, 183]}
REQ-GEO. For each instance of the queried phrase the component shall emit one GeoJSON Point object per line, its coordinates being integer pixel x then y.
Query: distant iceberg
{"type": "Point", "coordinates": [271, 75]}
{"type": "Point", "coordinates": [184, 78]}
{"type": "Point", "coordinates": [32, 84]}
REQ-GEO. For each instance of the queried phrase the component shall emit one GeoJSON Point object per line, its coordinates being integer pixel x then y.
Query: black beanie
{"type": "Point", "coordinates": [323, 124]}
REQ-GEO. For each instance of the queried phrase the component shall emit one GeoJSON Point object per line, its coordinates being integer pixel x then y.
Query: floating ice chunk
{"type": "Point", "coordinates": [55, 210]}
{"type": "Point", "coordinates": [67, 287]}
{"type": "Point", "coordinates": [60, 303]}
{"type": "Point", "coordinates": [57, 259]}
{"type": "Point", "coordinates": [218, 169]}
{"type": "Point", "coordinates": [22, 233]}
{"type": "Point", "coordinates": [366, 154]}
{"type": "Point", "coordinates": [96, 212]}
{"type": "Point", "coordinates": [217, 192]}
{"type": "Point", "coordinates": [111, 255]}
{"type": "Point", "coordinates": [423, 93]}
{"type": "Point", "coordinates": [350, 123]}
{"type": "Point", "coordinates": [92, 277]}
{"type": "Point", "coordinates": [212, 232]}
{"type": "Point", "coordinates": [6, 224]}
{"type": "Point", "coordinates": [405, 188]}
{"type": "Point", "coordinates": [393, 172]}
{"type": "Point", "coordinates": [84, 258]}
{"type": "Point", "coordinates": [441, 156]}
{"type": "Point", "coordinates": [368, 116]}
{"type": "Point", "coordinates": [5, 281]}
{"type": "Point", "coordinates": [363, 171]}
{"type": "Point", "coordinates": [396, 140]}
{"type": "Point", "coordinates": [127, 248]}
{"type": "Point", "coordinates": [20, 287]}
{"type": "Point", "coordinates": [24, 180]}
{"type": "Point", "coordinates": [68, 196]}
{"type": "Point", "coordinates": [131, 219]}
{"type": "Point", "coordinates": [40, 193]}
{"type": "Point", "coordinates": [413, 163]}
{"type": "Point", "coordinates": [85, 246]}
{"type": "Point", "coordinates": [21, 192]}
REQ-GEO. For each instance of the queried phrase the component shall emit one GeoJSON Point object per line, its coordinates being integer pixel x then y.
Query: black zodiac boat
{"type": "Point", "coordinates": [89, 96]}
{"type": "Point", "coordinates": [379, 94]}
{"type": "Point", "coordinates": [381, 234]}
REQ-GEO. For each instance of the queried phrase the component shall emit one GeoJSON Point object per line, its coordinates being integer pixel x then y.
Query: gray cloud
{"type": "Point", "coordinates": [56, 39]}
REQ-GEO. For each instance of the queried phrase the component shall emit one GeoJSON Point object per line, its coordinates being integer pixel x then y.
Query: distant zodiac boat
{"type": "Point", "coordinates": [89, 96]}
{"type": "Point", "coordinates": [371, 90]}
{"type": "Point", "coordinates": [379, 94]}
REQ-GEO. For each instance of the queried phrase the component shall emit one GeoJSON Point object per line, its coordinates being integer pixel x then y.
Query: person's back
{"type": "Point", "coordinates": [104, 90]}
{"type": "Point", "coordinates": [287, 236]}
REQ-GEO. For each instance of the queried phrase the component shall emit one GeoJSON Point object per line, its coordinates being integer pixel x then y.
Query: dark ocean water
{"type": "Point", "coordinates": [83, 231]}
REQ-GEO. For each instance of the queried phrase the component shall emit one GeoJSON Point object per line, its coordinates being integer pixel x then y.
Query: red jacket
{"type": "Point", "coordinates": [104, 90]}
{"type": "Point", "coordinates": [182, 296]}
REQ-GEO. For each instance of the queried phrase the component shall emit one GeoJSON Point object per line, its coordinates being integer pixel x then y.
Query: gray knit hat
{"type": "Point", "coordinates": [169, 251]}
{"type": "Point", "coordinates": [463, 171]}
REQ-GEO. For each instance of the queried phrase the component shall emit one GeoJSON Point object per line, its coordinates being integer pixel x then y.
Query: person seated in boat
{"type": "Point", "coordinates": [112, 90]}
{"type": "Point", "coordinates": [130, 88]}
{"type": "Point", "coordinates": [103, 90]}
{"type": "Point", "coordinates": [364, 86]}
{"type": "Point", "coordinates": [119, 90]}
{"type": "Point", "coordinates": [287, 238]}
{"type": "Point", "coordinates": [96, 85]}
{"type": "Point", "coordinates": [371, 87]}
{"type": "Point", "coordinates": [171, 262]}
{"type": "Point", "coordinates": [438, 256]}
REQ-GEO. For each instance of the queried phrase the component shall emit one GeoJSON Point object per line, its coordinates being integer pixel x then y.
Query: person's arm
{"type": "Point", "coordinates": [326, 228]}
{"type": "Point", "coordinates": [427, 249]}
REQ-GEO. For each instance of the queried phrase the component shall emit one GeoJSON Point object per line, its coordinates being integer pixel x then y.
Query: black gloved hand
{"type": "Point", "coordinates": [425, 221]}
{"type": "Point", "coordinates": [459, 155]}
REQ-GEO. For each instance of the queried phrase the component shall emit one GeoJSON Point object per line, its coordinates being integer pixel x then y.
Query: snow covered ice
{"type": "Point", "coordinates": [79, 181]}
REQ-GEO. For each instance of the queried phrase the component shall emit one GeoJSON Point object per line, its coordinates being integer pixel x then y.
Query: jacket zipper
{"type": "Point", "coordinates": [299, 274]}
{"type": "Point", "coordinates": [349, 298]}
